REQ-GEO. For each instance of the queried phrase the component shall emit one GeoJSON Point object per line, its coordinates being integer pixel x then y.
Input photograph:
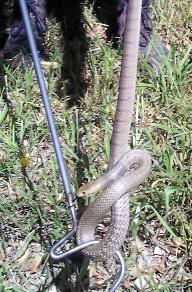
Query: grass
{"type": "Point", "coordinates": [32, 208]}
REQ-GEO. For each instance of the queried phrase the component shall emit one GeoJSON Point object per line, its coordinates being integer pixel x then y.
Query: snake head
{"type": "Point", "coordinates": [82, 192]}
{"type": "Point", "coordinates": [88, 189]}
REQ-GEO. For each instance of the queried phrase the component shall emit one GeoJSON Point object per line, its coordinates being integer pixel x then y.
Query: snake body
{"type": "Point", "coordinates": [121, 176]}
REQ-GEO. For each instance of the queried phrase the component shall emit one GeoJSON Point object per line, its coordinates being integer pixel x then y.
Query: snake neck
{"type": "Point", "coordinates": [127, 84]}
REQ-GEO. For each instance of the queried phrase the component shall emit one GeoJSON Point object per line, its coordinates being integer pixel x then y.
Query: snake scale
{"type": "Point", "coordinates": [127, 168]}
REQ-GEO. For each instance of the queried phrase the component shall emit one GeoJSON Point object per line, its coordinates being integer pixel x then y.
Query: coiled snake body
{"type": "Point", "coordinates": [127, 169]}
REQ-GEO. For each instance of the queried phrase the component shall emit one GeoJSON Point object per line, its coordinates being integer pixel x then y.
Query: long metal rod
{"type": "Point", "coordinates": [60, 159]}
{"type": "Point", "coordinates": [48, 110]}
{"type": "Point", "coordinates": [121, 273]}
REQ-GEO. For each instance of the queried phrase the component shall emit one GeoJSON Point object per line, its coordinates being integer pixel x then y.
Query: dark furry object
{"type": "Point", "coordinates": [112, 12]}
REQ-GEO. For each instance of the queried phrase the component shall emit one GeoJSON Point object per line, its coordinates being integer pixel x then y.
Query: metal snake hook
{"type": "Point", "coordinates": [60, 159]}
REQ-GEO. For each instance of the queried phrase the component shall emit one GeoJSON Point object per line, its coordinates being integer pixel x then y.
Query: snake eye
{"type": "Point", "coordinates": [83, 193]}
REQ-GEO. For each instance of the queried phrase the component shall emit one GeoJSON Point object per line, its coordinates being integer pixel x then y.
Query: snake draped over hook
{"type": "Point", "coordinates": [127, 168]}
